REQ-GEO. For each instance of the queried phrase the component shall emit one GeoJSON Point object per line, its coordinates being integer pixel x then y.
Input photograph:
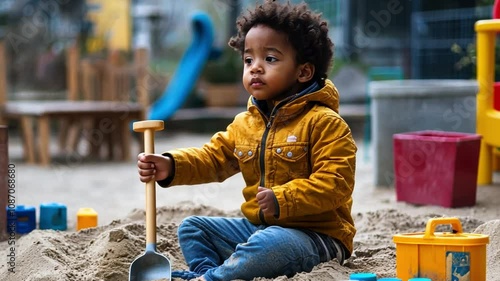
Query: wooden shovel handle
{"type": "Point", "coordinates": [149, 127]}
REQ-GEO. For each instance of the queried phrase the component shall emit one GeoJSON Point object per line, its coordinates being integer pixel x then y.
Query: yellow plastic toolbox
{"type": "Point", "coordinates": [441, 256]}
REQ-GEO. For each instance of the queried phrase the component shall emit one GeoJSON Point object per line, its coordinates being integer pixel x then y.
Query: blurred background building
{"type": "Point", "coordinates": [423, 38]}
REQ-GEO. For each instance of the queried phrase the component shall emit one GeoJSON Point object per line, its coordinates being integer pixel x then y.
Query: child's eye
{"type": "Point", "coordinates": [247, 60]}
{"type": "Point", "coordinates": [271, 59]}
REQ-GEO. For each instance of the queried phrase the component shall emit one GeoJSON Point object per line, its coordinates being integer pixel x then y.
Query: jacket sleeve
{"type": "Point", "coordinates": [331, 182]}
{"type": "Point", "coordinates": [213, 162]}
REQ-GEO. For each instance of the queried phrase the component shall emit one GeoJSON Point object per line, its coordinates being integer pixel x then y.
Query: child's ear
{"type": "Point", "coordinates": [306, 72]}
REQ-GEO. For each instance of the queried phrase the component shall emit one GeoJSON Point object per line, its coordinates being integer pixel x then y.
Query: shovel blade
{"type": "Point", "coordinates": [150, 266]}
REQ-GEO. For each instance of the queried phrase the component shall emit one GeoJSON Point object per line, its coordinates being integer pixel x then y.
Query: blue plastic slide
{"type": "Point", "coordinates": [188, 71]}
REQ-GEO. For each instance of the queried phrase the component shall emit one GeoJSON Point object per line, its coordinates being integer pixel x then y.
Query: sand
{"type": "Point", "coordinates": [113, 190]}
{"type": "Point", "coordinates": [105, 252]}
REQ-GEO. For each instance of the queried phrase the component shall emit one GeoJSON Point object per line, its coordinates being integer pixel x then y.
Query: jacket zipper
{"type": "Point", "coordinates": [262, 159]}
{"type": "Point", "coordinates": [264, 137]}
{"type": "Point", "coordinates": [263, 144]}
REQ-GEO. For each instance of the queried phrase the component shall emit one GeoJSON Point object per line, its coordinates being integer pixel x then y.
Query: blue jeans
{"type": "Point", "coordinates": [233, 248]}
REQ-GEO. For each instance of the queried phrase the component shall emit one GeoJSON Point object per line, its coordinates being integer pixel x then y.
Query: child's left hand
{"type": "Point", "coordinates": [267, 201]}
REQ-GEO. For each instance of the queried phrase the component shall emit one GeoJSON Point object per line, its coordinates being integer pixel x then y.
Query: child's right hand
{"type": "Point", "coordinates": [154, 167]}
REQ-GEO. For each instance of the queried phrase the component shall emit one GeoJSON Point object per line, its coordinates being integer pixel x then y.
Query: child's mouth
{"type": "Point", "coordinates": [256, 82]}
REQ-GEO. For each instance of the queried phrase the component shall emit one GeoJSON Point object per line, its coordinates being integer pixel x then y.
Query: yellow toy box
{"type": "Point", "coordinates": [441, 256]}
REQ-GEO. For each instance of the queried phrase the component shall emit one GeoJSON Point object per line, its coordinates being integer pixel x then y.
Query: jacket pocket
{"type": "Point", "coordinates": [291, 160]}
{"type": "Point", "coordinates": [244, 153]}
{"type": "Point", "coordinates": [247, 160]}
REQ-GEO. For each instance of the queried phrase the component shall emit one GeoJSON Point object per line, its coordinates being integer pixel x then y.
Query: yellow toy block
{"type": "Point", "coordinates": [86, 218]}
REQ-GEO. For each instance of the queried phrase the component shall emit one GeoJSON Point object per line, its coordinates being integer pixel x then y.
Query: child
{"type": "Point", "coordinates": [295, 153]}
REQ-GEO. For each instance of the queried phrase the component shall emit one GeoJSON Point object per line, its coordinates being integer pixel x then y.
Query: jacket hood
{"type": "Point", "coordinates": [328, 96]}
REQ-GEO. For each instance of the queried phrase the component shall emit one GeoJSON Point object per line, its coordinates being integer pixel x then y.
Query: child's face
{"type": "Point", "coordinates": [270, 69]}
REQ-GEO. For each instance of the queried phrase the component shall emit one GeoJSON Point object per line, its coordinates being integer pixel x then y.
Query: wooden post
{"type": "Point", "coordinates": [3, 80]}
{"type": "Point", "coordinates": [44, 141]}
{"type": "Point", "coordinates": [73, 92]}
{"type": "Point", "coordinates": [141, 61]}
{"type": "Point", "coordinates": [4, 162]}
{"type": "Point", "coordinates": [72, 71]}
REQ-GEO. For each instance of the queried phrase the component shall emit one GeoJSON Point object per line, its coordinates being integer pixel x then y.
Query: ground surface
{"type": "Point", "coordinates": [114, 191]}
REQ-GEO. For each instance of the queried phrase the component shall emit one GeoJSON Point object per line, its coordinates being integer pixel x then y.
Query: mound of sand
{"type": "Point", "coordinates": [105, 253]}
{"type": "Point", "coordinates": [492, 228]}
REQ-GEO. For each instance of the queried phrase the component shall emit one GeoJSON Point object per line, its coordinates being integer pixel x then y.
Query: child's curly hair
{"type": "Point", "coordinates": [306, 31]}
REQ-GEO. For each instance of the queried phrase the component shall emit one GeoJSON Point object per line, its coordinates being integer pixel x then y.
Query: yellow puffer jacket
{"type": "Point", "coordinates": [305, 153]}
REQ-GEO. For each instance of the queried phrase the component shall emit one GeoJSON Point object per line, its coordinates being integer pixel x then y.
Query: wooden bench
{"type": "Point", "coordinates": [35, 120]}
{"type": "Point", "coordinates": [110, 118]}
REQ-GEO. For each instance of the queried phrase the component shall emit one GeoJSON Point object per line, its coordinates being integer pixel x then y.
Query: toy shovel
{"type": "Point", "coordinates": [151, 265]}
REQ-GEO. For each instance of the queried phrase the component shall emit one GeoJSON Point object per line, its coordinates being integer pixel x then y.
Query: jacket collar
{"type": "Point", "coordinates": [326, 95]}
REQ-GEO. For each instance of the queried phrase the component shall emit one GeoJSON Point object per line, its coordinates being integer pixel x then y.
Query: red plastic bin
{"type": "Point", "coordinates": [436, 168]}
{"type": "Point", "coordinates": [496, 96]}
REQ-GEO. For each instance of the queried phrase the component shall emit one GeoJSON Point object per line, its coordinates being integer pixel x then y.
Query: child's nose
{"type": "Point", "coordinates": [256, 67]}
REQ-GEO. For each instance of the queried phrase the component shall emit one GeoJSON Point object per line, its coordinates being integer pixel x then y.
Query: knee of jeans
{"type": "Point", "coordinates": [187, 223]}
{"type": "Point", "coordinates": [272, 237]}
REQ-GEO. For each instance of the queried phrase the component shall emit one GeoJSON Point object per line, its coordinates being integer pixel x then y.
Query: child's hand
{"type": "Point", "coordinates": [154, 167]}
{"type": "Point", "coordinates": [267, 201]}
